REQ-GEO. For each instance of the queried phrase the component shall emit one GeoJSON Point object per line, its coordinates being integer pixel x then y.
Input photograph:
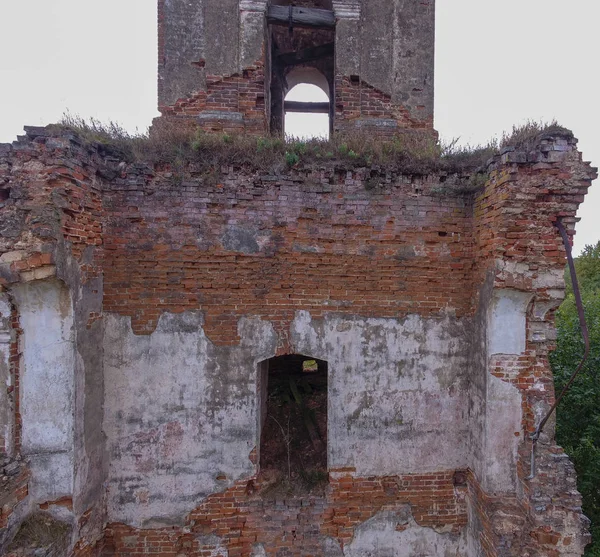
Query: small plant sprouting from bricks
{"type": "Point", "coordinates": [291, 159]}
{"type": "Point", "coordinates": [294, 440]}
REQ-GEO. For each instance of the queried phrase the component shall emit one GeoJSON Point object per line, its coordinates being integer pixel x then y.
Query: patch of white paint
{"type": "Point", "coordinates": [258, 550]}
{"type": "Point", "coordinates": [391, 534]}
{"type": "Point", "coordinates": [398, 384]}
{"type": "Point", "coordinates": [506, 334]}
{"type": "Point", "coordinates": [502, 436]}
{"type": "Point", "coordinates": [554, 278]}
{"type": "Point", "coordinates": [181, 415]}
{"type": "Point", "coordinates": [47, 378]}
{"type": "Point", "coordinates": [507, 322]}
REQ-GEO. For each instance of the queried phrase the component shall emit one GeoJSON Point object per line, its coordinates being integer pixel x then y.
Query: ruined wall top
{"type": "Point", "coordinates": [224, 63]}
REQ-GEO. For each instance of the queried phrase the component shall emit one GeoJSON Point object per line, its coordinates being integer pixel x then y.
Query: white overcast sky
{"type": "Point", "coordinates": [497, 64]}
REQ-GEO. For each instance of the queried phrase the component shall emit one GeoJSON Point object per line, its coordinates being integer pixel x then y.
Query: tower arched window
{"type": "Point", "coordinates": [307, 112]}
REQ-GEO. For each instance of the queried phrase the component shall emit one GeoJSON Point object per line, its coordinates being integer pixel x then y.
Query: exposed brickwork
{"type": "Point", "coordinates": [53, 207]}
{"type": "Point", "coordinates": [12, 494]}
{"type": "Point", "coordinates": [357, 102]}
{"type": "Point", "coordinates": [351, 241]}
{"type": "Point", "coordinates": [242, 95]}
{"type": "Point", "coordinates": [61, 203]}
{"type": "Point", "coordinates": [236, 521]}
{"type": "Point", "coordinates": [514, 225]}
{"type": "Point", "coordinates": [318, 241]}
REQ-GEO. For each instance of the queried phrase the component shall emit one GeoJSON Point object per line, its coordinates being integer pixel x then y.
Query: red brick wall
{"type": "Point", "coordinates": [327, 243]}
{"type": "Point", "coordinates": [360, 242]}
{"type": "Point", "coordinates": [355, 99]}
{"type": "Point", "coordinates": [12, 493]}
{"type": "Point", "coordinates": [244, 94]}
{"type": "Point", "coordinates": [294, 526]}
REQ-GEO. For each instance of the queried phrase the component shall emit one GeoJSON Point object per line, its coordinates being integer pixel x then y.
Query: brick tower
{"type": "Point", "coordinates": [228, 64]}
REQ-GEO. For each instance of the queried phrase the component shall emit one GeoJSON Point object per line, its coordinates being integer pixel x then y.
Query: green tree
{"type": "Point", "coordinates": [578, 416]}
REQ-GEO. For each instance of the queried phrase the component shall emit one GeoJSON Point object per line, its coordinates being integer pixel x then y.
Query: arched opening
{"type": "Point", "coordinates": [293, 421]}
{"type": "Point", "coordinates": [301, 51]}
{"type": "Point", "coordinates": [307, 112]}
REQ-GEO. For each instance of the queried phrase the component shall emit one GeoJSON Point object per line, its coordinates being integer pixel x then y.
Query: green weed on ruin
{"type": "Point", "coordinates": [420, 153]}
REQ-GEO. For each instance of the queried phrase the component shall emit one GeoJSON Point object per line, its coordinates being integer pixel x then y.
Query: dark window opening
{"type": "Point", "coordinates": [293, 441]}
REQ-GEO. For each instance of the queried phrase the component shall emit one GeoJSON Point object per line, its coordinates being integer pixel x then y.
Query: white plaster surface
{"type": "Point", "coordinates": [46, 374]}
{"type": "Point", "coordinates": [179, 413]}
{"type": "Point", "coordinates": [507, 322]}
{"type": "Point", "coordinates": [52, 475]}
{"type": "Point", "coordinates": [503, 421]}
{"type": "Point", "coordinates": [6, 406]}
{"type": "Point", "coordinates": [397, 391]}
{"type": "Point", "coordinates": [506, 334]}
{"type": "Point", "coordinates": [379, 537]}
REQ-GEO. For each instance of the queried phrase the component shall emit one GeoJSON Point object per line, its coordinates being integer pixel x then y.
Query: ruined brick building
{"type": "Point", "coordinates": [146, 313]}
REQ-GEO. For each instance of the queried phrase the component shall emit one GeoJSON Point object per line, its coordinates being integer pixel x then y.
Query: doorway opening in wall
{"type": "Point", "coordinates": [293, 424]}
{"type": "Point", "coordinates": [306, 113]}
{"type": "Point", "coordinates": [301, 68]}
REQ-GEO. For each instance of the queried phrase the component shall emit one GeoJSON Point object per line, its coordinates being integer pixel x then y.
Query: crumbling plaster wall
{"type": "Point", "coordinates": [396, 533]}
{"type": "Point", "coordinates": [323, 266]}
{"type": "Point", "coordinates": [47, 387]}
{"type": "Point", "coordinates": [181, 414]}
{"type": "Point", "coordinates": [402, 283]}
{"type": "Point", "coordinates": [49, 269]}
{"type": "Point", "coordinates": [399, 384]}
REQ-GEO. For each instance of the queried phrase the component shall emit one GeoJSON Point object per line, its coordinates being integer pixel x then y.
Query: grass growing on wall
{"type": "Point", "coordinates": [178, 145]}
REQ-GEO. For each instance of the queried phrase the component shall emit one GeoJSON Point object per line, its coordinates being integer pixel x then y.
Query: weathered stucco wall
{"type": "Point", "coordinates": [401, 384]}
{"type": "Point", "coordinates": [180, 415]}
{"type": "Point", "coordinates": [164, 292]}
{"type": "Point", "coordinates": [46, 387]}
